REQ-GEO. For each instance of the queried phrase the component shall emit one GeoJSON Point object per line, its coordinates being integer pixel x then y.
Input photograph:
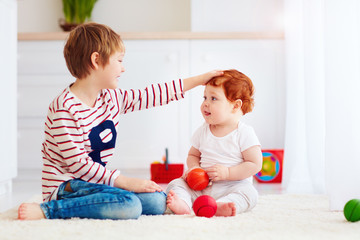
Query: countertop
{"type": "Point", "coordinates": [49, 36]}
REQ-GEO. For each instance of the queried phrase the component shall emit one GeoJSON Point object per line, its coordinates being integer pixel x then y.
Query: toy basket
{"type": "Point", "coordinates": [159, 174]}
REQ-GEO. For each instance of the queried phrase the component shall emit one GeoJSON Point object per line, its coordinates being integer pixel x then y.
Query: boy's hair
{"type": "Point", "coordinates": [236, 85]}
{"type": "Point", "coordinates": [86, 39]}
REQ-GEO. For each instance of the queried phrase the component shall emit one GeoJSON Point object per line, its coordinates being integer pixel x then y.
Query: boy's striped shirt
{"type": "Point", "coordinates": [80, 140]}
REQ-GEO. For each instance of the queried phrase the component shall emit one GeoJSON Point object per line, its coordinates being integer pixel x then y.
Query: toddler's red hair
{"type": "Point", "coordinates": [236, 86]}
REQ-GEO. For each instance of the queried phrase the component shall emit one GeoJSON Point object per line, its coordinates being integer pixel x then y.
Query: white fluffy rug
{"type": "Point", "coordinates": [275, 217]}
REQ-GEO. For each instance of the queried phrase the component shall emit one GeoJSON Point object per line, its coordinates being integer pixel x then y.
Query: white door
{"type": "Point", "coordinates": [8, 95]}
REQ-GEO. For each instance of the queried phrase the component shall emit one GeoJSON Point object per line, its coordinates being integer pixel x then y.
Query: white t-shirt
{"type": "Point", "coordinates": [227, 150]}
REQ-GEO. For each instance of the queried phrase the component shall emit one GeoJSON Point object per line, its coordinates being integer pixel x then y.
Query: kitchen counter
{"type": "Point", "coordinates": [46, 36]}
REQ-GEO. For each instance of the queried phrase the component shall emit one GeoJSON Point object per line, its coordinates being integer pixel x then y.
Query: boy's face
{"type": "Point", "coordinates": [112, 71]}
{"type": "Point", "coordinates": [216, 108]}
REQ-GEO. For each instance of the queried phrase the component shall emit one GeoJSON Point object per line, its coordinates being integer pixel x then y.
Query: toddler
{"type": "Point", "coordinates": [226, 148]}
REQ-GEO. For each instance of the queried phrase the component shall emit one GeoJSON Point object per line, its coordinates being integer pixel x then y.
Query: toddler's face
{"type": "Point", "coordinates": [216, 108]}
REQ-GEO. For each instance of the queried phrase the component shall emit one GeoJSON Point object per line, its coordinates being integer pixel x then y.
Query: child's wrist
{"type": "Point", "coordinates": [227, 174]}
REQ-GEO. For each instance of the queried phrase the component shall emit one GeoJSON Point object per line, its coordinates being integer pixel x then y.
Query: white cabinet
{"type": "Point", "coordinates": [143, 136]}
{"type": "Point", "coordinates": [8, 100]}
{"type": "Point", "coordinates": [42, 74]}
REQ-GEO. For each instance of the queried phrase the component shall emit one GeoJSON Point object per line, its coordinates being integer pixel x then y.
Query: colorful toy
{"type": "Point", "coordinates": [271, 171]}
{"type": "Point", "coordinates": [352, 210]}
{"type": "Point", "coordinates": [197, 179]}
{"type": "Point", "coordinates": [205, 206]}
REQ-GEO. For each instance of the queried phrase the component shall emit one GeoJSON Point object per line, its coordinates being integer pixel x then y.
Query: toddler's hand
{"type": "Point", "coordinates": [218, 173]}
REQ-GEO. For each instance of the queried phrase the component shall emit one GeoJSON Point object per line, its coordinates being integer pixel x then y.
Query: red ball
{"type": "Point", "coordinates": [205, 206]}
{"type": "Point", "coordinates": [197, 179]}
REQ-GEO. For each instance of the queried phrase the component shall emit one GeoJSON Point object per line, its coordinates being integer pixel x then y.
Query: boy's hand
{"type": "Point", "coordinates": [141, 185]}
{"type": "Point", "coordinates": [136, 185]}
{"type": "Point", "coordinates": [218, 173]}
{"type": "Point", "coordinates": [202, 79]}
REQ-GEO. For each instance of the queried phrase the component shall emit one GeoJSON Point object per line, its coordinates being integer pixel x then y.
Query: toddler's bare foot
{"type": "Point", "coordinates": [30, 211]}
{"type": "Point", "coordinates": [226, 209]}
{"type": "Point", "coordinates": [177, 205]}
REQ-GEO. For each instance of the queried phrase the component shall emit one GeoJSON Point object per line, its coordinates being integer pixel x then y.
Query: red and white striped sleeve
{"type": "Point", "coordinates": [152, 96]}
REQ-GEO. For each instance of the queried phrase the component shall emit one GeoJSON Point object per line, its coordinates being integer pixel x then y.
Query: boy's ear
{"type": "Point", "coordinates": [95, 60]}
{"type": "Point", "coordinates": [238, 104]}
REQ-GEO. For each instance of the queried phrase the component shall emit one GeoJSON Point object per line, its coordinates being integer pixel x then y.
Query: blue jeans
{"type": "Point", "coordinates": [98, 201]}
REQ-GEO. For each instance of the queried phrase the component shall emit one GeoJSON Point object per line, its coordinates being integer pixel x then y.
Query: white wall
{"type": "Point", "coordinates": [39, 15]}
{"type": "Point", "coordinates": [161, 15]}
{"type": "Point", "coordinates": [144, 15]}
{"type": "Point", "coordinates": [121, 15]}
{"type": "Point", "coordinates": [237, 15]}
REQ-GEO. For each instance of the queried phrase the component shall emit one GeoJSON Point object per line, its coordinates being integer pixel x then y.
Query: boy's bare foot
{"type": "Point", "coordinates": [30, 211]}
{"type": "Point", "coordinates": [177, 205]}
{"type": "Point", "coordinates": [226, 209]}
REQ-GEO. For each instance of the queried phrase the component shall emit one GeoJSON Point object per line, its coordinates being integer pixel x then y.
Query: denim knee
{"type": "Point", "coordinates": [153, 203]}
{"type": "Point", "coordinates": [158, 203]}
{"type": "Point", "coordinates": [132, 210]}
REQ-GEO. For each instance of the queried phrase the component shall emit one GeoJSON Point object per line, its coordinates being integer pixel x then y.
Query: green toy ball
{"type": "Point", "coordinates": [352, 210]}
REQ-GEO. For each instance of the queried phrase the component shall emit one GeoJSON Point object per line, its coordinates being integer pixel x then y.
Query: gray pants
{"type": "Point", "coordinates": [242, 193]}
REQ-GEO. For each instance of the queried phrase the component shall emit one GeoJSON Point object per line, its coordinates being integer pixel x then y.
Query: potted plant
{"type": "Point", "coordinates": [76, 12]}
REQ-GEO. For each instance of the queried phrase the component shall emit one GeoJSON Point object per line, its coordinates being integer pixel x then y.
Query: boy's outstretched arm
{"type": "Point", "coordinates": [202, 79]}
